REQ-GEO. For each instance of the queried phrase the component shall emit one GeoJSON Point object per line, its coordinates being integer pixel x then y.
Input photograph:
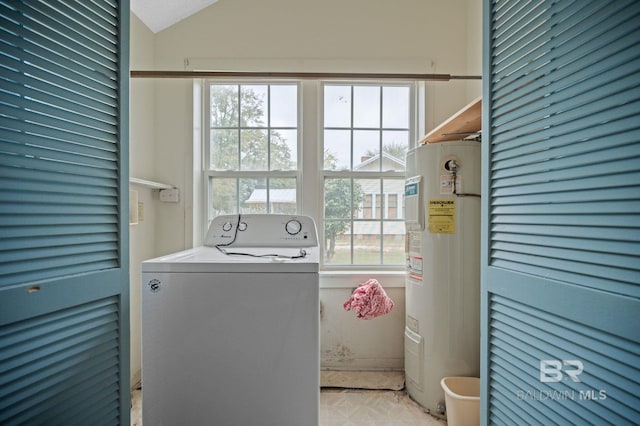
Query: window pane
{"type": "Point", "coordinates": [394, 234]}
{"type": "Point", "coordinates": [337, 234]}
{"type": "Point", "coordinates": [284, 150]}
{"type": "Point", "coordinates": [253, 103]}
{"type": "Point", "coordinates": [370, 206]}
{"type": "Point", "coordinates": [337, 198]}
{"type": "Point", "coordinates": [366, 106]}
{"type": "Point", "coordinates": [224, 149]}
{"type": "Point", "coordinates": [366, 243]}
{"type": "Point", "coordinates": [391, 212]}
{"type": "Point", "coordinates": [282, 196]}
{"type": "Point", "coordinates": [337, 106]}
{"type": "Point", "coordinates": [394, 193]}
{"type": "Point", "coordinates": [253, 155]}
{"type": "Point", "coordinates": [366, 150]}
{"type": "Point", "coordinates": [395, 144]}
{"type": "Point", "coordinates": [223, 196]}
{"type": "Point", "coordinates": [284, 106]}
{"type": "Point", "coordinates": [395, 107]}
{"type": "Point", "coordinates": [337, 150]}
{"type": "Point", "coordinates": [253, 195]}
{"type": "Point", "coordinates": [224, 105]}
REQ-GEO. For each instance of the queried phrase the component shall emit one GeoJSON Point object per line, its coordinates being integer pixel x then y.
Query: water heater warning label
{"type": "Point", "coordinates": [442, 215]}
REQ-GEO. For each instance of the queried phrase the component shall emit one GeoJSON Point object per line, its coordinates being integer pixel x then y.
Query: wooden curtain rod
{"type": "Point", "coordinates": [299, 75]}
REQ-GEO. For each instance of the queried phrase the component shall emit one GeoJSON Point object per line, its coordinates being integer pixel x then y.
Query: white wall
{"type": "Point", "coordinates": [474, 46]}
{"type": "Point", "coordinates": [422, 36]}
{"type": "Point", "coordinates": [349, 343]}
{"type": "Point", "coordinates": [142, 166]}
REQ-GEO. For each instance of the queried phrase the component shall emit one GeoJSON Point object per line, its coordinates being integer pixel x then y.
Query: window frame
{"type": "Point", "coordinates": [323, 174]}
{"type": "Point", "coordinates": [310, 173]}
{"type": "Point", "coordinates": [209, 173]}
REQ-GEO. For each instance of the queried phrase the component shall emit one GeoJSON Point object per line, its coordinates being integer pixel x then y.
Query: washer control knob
{"type": "Point", "coordinates": [293, 227]}
{"type": "Point", "coordinates": [227, 226]}
{"type": "Point", "coordinates": [242, 226]}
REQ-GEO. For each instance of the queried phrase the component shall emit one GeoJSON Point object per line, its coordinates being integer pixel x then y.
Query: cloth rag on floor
{"type": "Point", "coordinates": [369, 300]}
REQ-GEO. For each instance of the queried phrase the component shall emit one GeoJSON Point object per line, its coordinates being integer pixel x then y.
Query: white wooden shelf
{"type": "Point", "coordinates": [149, 184]}
{"type": "Point", "coordinates": [464, 122]}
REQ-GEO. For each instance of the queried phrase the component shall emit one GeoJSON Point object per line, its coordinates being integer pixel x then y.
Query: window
{"type": "Point", "coordinates": [366, 135]}
{"type": "Point", "coordinates": [392, 206]}
{"type": "Point", "coordinates": [354, 170]}
{"type": "Point", "coordinates": [252, 158]}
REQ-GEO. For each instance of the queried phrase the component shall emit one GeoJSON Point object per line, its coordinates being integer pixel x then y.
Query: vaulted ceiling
{"type": "Point", "coordinates": [161, 14]}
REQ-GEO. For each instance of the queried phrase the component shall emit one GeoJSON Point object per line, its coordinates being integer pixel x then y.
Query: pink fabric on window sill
{"type": "Point", "coordinates": [369, 300]}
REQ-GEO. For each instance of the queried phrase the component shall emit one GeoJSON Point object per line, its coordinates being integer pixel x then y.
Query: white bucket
{"type": "Point", "coordinates": [462, 398]}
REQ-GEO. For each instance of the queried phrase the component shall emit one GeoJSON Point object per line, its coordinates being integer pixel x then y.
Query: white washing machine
{"type": "Point", "coordinates": [230, 330]}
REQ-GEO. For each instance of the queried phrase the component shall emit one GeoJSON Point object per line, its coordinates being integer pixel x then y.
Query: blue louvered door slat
{"type": "Point", "coordinates": [561, 224]}
{"type": "Point", "coordinates": [64, 269]}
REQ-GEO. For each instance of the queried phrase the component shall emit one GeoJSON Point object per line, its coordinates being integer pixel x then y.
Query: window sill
{"type": "Point", "coordinates": [351, 279]}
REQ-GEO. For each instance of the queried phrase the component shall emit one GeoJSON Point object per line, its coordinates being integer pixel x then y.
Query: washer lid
{"type": "Point", "coordinates": [237, 259]}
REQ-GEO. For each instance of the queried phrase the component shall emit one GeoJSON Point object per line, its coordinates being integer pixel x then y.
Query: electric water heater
{"type": "Point", "coordinates": [442, 214]}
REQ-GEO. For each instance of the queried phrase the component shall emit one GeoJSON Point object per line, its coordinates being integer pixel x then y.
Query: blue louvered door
{"type": "Point", "coordinates": [561, 218]}
{"type": "Point", "coordinates": [64, 314]}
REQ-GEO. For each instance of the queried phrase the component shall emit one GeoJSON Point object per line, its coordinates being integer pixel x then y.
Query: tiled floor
{"type": "Point", "coordinates": [352, 407]}
{"type": "Point", "coordinates": [359, 407]}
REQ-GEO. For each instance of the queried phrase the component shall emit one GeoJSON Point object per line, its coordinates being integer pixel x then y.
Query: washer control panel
{"type": "Point", "coordinates": [262, 230]}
